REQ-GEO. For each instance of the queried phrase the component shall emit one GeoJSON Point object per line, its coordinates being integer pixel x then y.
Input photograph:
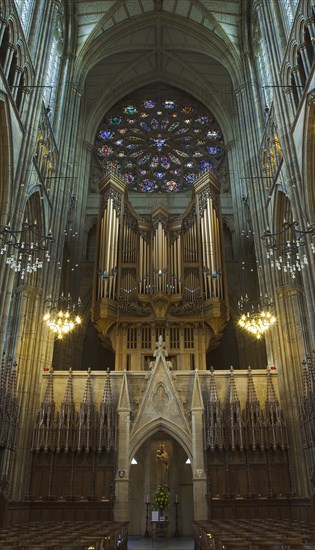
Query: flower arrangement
{"type": "Point", "coordinates": [161, 498]}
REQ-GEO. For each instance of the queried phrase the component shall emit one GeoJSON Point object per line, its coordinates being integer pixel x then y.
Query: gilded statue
{"type": "Point", "coordinates": [163, 462]}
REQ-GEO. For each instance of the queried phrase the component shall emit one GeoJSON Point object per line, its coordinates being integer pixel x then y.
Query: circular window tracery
{"type": "Point", "coordinates": [159, 144]}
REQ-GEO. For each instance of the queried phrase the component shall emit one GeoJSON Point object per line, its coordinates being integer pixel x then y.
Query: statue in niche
{"type": "Point", "coordinates": [163, 462]}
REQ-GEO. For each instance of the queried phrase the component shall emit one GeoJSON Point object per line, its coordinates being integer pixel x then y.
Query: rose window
{"type": "Point", "coordinates": [159, 144]}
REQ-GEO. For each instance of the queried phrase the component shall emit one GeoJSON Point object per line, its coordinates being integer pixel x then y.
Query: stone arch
{"type": "Point", "coordinates": [20, 50]}
{"type": "Point", "coordinates": [4, 45]}
{"type": "Point", "coordinates": [104, 103]}
{"type": "Point", "coordinates": [157, 425]}
{"type": "Point", "coordinates": [308, 44]}
{"type": "Point", "coordinates": [14, 26]}
{"type": "Point", "coordinates": [99, 42]}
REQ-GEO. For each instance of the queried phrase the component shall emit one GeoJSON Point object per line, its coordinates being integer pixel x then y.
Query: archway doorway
{"type": "Point", "coordinates": [144, 478]}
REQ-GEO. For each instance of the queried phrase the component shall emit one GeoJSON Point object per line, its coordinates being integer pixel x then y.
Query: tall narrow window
{"type": "Point", "coordinates": [25, 10]}
{"type": "Point", "coordinates": [174, 338]}
{"type": "Point", "coordinates": [132, 338]}
{"type": "Point", "coordinates": [4, 46]}
{"type": "Point", "coordinates": [288, 9]}
{"type": "Point", "coordinates": [262, 66]}
{"type": "Point", "coordinates": [189, 337]}
{"type": "Point", "coordinates": [146, 338]}
{"type": "Point", "coordinates": [54, 65]}
{"type": "Point", "coordinates": [309, 46]}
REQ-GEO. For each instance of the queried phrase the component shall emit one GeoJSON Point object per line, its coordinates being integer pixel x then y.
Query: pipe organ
{"type": "Point", "coordinates": [160, 270]}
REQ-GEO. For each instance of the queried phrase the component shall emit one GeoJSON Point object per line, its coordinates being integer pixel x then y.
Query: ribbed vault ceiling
{"type": "Point", "coordinates": [220, 17]}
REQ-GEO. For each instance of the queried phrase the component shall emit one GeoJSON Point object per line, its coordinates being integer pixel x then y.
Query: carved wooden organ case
{"type": "Point", "coordinates": [160, 271]}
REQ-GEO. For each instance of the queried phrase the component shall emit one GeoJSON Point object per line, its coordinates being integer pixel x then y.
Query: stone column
{"type": "Point", "coordinates": [121, 508]}
{"type": "Point", "coordinates": [198, 465]}
{"type": "Point", "coordinates": [292, 335]}
{"type": "Point", "coordinates": [8, 61]}
{"type": "Point", "coordinates": [16, 81]}
{"type": "Point", "coordinates": [26, 335]}
{"type": "Point", "coordinates": [3, 25]}
{"type": "Point", "coordinates": [305, 59]}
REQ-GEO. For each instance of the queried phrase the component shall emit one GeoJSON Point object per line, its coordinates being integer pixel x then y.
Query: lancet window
{"type": "Point", "coordinates": [288, 9]}
{"type": "Point", "coordinates": [25, 9]}
{"type": "Point", "coordinates": [54, 64]}
{"type": "Point", "coordinates": [262, 66]}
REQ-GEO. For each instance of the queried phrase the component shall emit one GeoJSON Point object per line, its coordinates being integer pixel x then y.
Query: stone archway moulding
{"type": "Point", "coordinates": [157, 425]}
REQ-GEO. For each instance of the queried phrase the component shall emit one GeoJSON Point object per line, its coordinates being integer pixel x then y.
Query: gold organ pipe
{"type": "Point", "coordinates": [100, 257]}
{"type": "Point", "coordinates": [146, 268]}
{"type": "Point", "coordinates": [203, 241]}
{"type": "Point", "coordinates": [115, 253]}
{"type": "Point", "coordinates": [146, 272]}
{"type": "Point", "coordinates": [219, 247]}
{"type": "Point", "coordinates": [187, 247]}
{"type": "Point", "coordinates": [215, 265]}
{"type": "Point", "coordinates": [110, 248]}
{"type": "Point", "coordinates": [161, 249]}
{"type": "Point", "coordinates": [132, 242]}
{"type": "Point", "coordinates": [206, 240]}
{"type": "Point", "coordinates": [125, 244]}
{"type": "Point", "coordinates": [102, 252]}
{"type": "Point", "coordinates": [108, 235]}
{"type": "Point", "coordinates": [159, 244]}
{"type": "Point", "coordinates": [215, 250]}
{"type": "Point", "coordinates": [211, 246]}
{"type": "Point", "coordinates": [175, 266]}
{"type": "Point", "coordinates": [179, 266]}
{"type": "Point", "coordinates": [215, 236]}
{"type": "Point", "coordinates": [161, 253]}
{"type": "Point", "coordinates": [110, 251]}
{"type": "Point", "coordinates": [134, 247]}
{"type": "Point", "coordinates": [154, 261]}
{"type": "Point", "coordinates": [191, 244]}
{"type": "Point", "coordinates": [140, 271]}
{"type": "Point", "coordinates": [175, 269]}
{"type": "Point", "coordinates": [129, 244]}
{"type": "Point", "coordinates": [166, 263]}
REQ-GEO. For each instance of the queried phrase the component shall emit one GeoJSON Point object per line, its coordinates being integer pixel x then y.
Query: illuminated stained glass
{"type": "Point", "coordinates": [130, 110]}
{"type": "Point", "coordinates": [105, 150]}
{"type": "Point", "coordinates": [149, 104]}
{"type": "Point", "coordinates": [159, 143]}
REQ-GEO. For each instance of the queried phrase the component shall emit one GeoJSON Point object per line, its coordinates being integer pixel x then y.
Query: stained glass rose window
{"type": "Point", "coordinates": [159, 144]}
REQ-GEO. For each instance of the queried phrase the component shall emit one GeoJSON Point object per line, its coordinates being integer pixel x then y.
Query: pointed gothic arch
{"type": "Point", "coordinates": [155, 426]}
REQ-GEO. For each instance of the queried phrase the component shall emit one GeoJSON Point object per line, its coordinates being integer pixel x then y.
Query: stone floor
{"type": "Point", "coordinates": [147, 543]}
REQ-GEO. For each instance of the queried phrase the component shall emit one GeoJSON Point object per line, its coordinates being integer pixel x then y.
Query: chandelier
{"type": "Point", "coordinates": [62, 320]}
{"type": "Point", "coordinates": [285, 247]}
{"type": "Point", "coordinates": [26, 250]}
{"type": "Point", "coordinates": [255, 317]}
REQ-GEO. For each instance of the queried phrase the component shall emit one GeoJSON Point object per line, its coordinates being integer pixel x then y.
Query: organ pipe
{"type": "Point", "coordinates": [158, 255]}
